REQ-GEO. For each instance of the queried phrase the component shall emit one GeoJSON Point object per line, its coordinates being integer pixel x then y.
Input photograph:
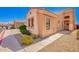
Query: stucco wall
{"type": "Point", "coordinates": [56, 21]}
{"type": "Point", "coordinates": [33, 14]}
{"type": "Point", "coordinates": [42, 24]}
{"type": "Point", "coordinates": [60, 21]}
{"type": "Point", "coordinates": [70, 13]}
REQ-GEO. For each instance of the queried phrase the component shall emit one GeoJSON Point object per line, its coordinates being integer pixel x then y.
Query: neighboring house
{"type": "Point", "coordinates": [9, 25]}
{"type": "Point", "coordinates": [17, 23]}
{"type": "Point", "coordinates": [4, 26]}
{"type": "Point", "coordinates": [44, 23]}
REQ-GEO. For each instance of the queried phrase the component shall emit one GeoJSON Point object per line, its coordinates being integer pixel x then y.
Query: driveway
{"type": "Point", "coordinates": [67, 43]}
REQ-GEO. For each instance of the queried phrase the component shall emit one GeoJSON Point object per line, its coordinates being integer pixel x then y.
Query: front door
{"type": "Point", "coordinates": [66, 25]}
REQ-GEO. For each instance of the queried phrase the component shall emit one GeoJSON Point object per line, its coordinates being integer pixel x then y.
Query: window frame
{"type": "Point", "coordinates": [29, 22]}
{"type": "Point", "coordinates": [32, 22]}
{"type": "Point", "coordinates": [47, 19]}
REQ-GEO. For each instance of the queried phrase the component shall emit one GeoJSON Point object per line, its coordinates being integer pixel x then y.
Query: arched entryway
{"type": "Point", "coordinates": [66, 25]}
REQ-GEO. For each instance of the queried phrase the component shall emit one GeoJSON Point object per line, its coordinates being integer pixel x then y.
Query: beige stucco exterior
{"type": "Point", "coordinates": [71, 20]}
{"type": "Point", "coordinates": [61, 21]}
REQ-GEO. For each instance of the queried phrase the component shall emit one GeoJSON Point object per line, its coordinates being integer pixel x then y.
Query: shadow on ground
{"type": "Point", "coordinates": [12, 43]}
{"type": "Point", "coordinates": [65, 32]}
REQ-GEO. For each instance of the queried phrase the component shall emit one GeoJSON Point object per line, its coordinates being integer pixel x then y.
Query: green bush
{"type": "Point", "coordinates": [26, 40]}
{"type": "Point", "coordinates": [27, 32]}
{"type": "Point", "coordinates": [23, 30]}
{"type": "Point", "coordinates": [34, 36]}
{"type": "Point", "coordinates": [22, 26]}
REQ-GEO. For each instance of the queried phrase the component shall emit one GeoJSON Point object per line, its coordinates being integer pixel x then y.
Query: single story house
{"type": "Point", "coordinates": [44, 23]}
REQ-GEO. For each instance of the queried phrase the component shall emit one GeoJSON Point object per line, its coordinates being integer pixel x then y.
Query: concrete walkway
{"type": "Point", "coordinates": [3, 49]}
{"type": "Point", "coordinates": [2, 35]}
{"type": "Point", "coordinates": [67, 43]}
{"type": "Point", "coordinates": [36, 47]}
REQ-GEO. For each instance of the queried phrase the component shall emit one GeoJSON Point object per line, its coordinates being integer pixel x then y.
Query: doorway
{"type": "Point", "coordinates": [66, 25]}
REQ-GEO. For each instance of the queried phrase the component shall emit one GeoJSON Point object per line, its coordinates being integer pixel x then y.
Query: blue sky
{"type": "Point", "coordinates": [9, 14]}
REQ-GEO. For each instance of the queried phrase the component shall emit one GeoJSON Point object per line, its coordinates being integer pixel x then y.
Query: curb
{"type": "Point", "coordinates": [2, 35]}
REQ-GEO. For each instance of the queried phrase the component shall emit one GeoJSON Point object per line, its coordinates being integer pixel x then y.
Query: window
{"type": "Point", "coordinates": [47, 23]}
{"type": "Point", "coordinates": [66, 17]}
{"type": "Point", "coordinates": [30, 12]}
{"type": "Point", "coordinates": [29, 22]}
{"type": "Point", "coordinates": [32, 22]}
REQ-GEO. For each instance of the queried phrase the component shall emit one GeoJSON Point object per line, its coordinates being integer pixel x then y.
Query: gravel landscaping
{"type": "Point", "coordinates": [19, 37]}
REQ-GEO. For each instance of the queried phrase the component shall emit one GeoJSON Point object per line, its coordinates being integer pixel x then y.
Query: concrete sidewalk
{"type": "Point", "coordinates": [2, 35]}
{"type": "Point", "coordinates": [36, 47]}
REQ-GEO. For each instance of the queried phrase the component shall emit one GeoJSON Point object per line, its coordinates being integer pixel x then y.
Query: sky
{"type": "Point", "coordinates": [10, 14]}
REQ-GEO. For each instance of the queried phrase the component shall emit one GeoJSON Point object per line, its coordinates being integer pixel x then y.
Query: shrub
{"type": "Point", "coordinates": [25, 32]}
{"type": "Point", "coordinates": [22, 26]}
{"type": "Point", "coordinates": [26, 40]}
{"type": "Point", "coordinates": [28, 32]}
{"type": "Point", "coordinates": [23, 29]}
{"type": "Point", "coordinates": [34, 36]}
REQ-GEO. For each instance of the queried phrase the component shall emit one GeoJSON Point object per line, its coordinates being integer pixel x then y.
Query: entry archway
{"type": "Point", "coordinates": [66, 25]}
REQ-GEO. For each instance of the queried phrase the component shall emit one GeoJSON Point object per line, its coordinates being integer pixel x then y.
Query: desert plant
{"type": "Point", "coordinates": [27, 32]}
{"type": "Point", "coordinates": [23, 30]}
{"type": "Point", "coordinates": [22, 26]}
{"type": "Point", "coordinates": [26, 40]}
